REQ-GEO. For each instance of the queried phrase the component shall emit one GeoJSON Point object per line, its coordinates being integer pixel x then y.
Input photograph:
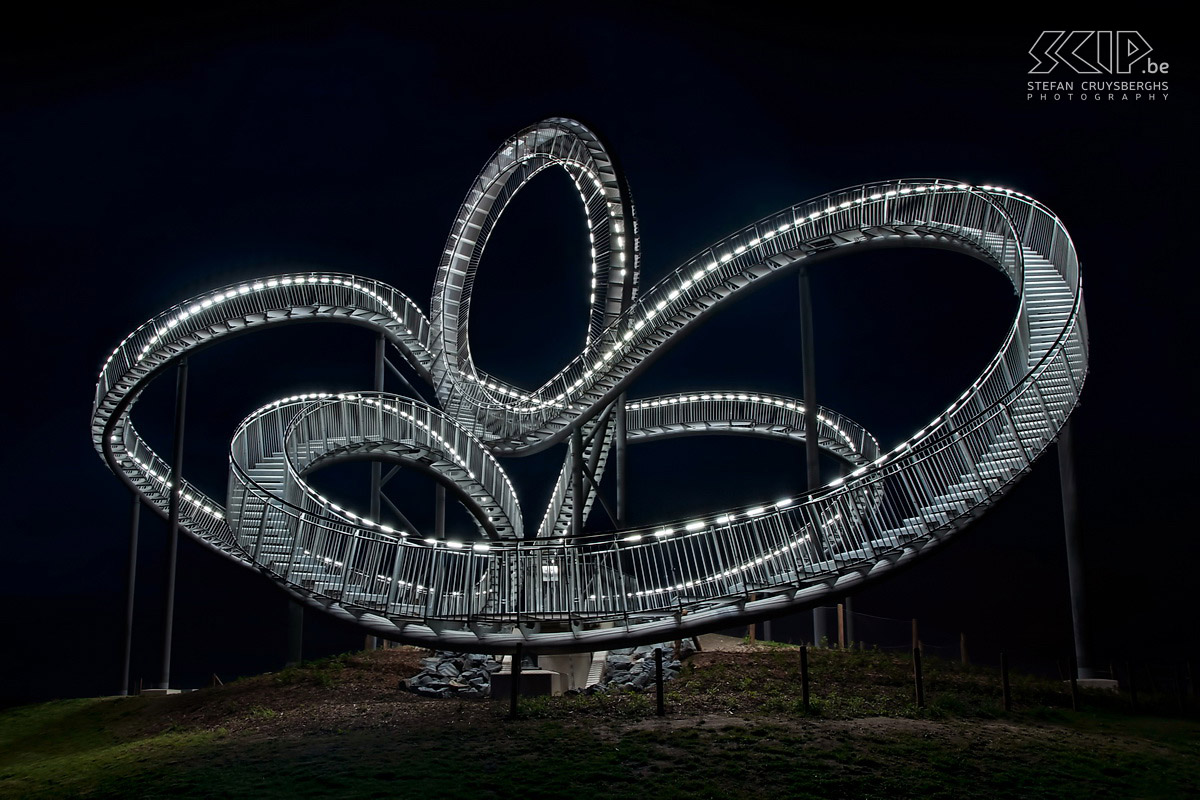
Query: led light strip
{"type": "Point", "coordinates": [533, 420]}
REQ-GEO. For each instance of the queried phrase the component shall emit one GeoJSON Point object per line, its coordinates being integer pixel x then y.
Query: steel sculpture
{"type": "Point", "coordinates": [544, 584]}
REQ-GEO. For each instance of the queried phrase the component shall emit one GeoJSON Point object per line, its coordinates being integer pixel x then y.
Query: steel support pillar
{"type": "Point", "coordinates": [812, 451]}
{"type": "Point", "coordinates": [439, 512]}
{"type": "Point", "coordinates": [848, 607]}
{"type": "Point", "coordinates": [295, 639]}
{"type": "Point", "coordinates": [1074, 544]}
{"type": "Point", "coordinates": [130, 584]}
{"type": "Point", "coordinates": [577, 499]}
{"type": "Point", "coordinates": [173, 520]}
{"type": "Point", "coordinates": [619, 442]}
{"type": "Point", "coordinates": [376, 467]}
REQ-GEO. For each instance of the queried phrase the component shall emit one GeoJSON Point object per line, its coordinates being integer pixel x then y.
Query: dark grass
{"type": "Point", "coordinates": [735, 729]}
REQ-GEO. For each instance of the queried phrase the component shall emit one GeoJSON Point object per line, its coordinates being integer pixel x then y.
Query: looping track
{"type": "Point", "coordinates": [540, 587]}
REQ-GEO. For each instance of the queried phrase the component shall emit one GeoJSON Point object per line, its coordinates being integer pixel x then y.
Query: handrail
{"type": "Point", "coordinates": [685, 574]}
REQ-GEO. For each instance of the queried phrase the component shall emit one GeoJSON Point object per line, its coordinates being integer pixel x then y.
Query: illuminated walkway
{"type": "Point", "coordinates": [535, 583]}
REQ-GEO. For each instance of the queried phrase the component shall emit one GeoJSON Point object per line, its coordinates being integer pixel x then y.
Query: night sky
{"type": "Point", "coordinates": [144, 160]}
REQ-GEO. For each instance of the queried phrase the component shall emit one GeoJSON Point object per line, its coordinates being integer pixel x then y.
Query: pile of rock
{"type": "Point", "coordinates": [633, 668]}
{"type": "Point", "coordinates": [448, 674]}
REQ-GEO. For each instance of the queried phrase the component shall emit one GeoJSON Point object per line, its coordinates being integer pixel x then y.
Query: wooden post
{"type": "Point", "coordinates": [1006, 688]}
{"type": "Point", "coordinates": [962, 648]}
{"type": "Point", "coordinates": [916, 638]}
{"type": "Point", "coordinates": [804, 676]}
{"type": "Point", "coordinates": [752, 630]}
{"type": "Point", "coordinates": [841, 609]}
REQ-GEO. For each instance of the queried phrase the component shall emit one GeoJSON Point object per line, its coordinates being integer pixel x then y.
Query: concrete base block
{"type": "Point", "coordinates": [1099, 684]}
{"type": "Point", "coordinates": [534, 682]}
{"type": "Point", "coordinates": [573, 667]}
{"type": "Point", "coordinates": [158, 692]}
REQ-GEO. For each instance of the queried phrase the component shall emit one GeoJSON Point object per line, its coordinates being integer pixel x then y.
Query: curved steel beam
{"type": "Point", "coordinates": [643, 583]}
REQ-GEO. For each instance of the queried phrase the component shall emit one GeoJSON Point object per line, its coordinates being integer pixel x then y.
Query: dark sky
{"type": "Point", "coordinates": [145, 160]}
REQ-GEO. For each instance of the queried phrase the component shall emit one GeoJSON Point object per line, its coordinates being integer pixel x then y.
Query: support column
{"type": "Point", "coordinates": [848, 605]}
{"type": "Point", "coordinates": [376, 467]}
{"type": "Point", "coordinates": [818, 615]}
{"type": "Point", "coordinates": [577, 499]}
{"type": "Point", "coordinates": [295, 642]}
{"type": "Point", "coordinates": [173, 520]}
{"type": "Point", "coordinates": [1074, 544]}
{"type": "Point", "coordinates": [439, 512]}
{"type": "Point", "coordinates": [619, 442]}
{"type": "Point", "coordinates": [130, 584]}
{"type": "Point", "coordinates": [812, 451]}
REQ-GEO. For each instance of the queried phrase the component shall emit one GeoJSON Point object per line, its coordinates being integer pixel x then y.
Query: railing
{"type": "Point", "coordinates": [685, 572]}
{"type": "Point", "coordinates": [545, 415]}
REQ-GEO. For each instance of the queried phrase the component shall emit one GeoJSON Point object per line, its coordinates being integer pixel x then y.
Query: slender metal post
{"type": "Point", "coordinates": [1180, 695]}
{"type": "Point", "coordinates": [376, 467]}
{"type": "Point", "coordinates": [917, 677]}
{"type": "Point", "coordinates": [1006, 687]}
{"type": "Point", "coordinates": [848, 604]}
{"type": "Point", "coordinates": [811, 449]}
{"type": "Point", "coordinates": [619, 442]}
{"type": "Point", "coordinates": [1070, 501]}
{"type": "Point", "coordinates": [658, 681]}
{"type": "Point", "coordinates": [295, 643]}
{"type": "Point", "coordinates": [130, 584]}
{"type": "Point", "coordinates": [804, 676]}
{"type": "Point", "coordinates": [577, 499]}
{"type": "Point", "coordinates": [173, 520]}
{"type": "Point", "coordinates": [439, 512]}
{"type": "Point", "coordinates": [808, 356]}
{"type": "Point", "coordinates": [1074, 683]}
{"type": "Point", "coordinates": [514, 688]}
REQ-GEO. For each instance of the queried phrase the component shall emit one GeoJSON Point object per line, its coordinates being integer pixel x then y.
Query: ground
{"type": "Point", "coordinates": [735, 728]}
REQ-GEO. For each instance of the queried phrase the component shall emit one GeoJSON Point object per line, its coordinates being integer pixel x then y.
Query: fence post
{"type": "Point", "coordinates": [514, 688]}
{"type": "Point", "coordinates": [804, 676]}
{"type": "Point", "coordinates": [1006, 687]}
{"type": "Point", "coordinates": [962, 648]}
{"type": "Point", "coordinates": [841, 611]}
{"type": "Point", "coordinates": [920, 685]}
{"type": "Point", "coordinates": [658, 681]}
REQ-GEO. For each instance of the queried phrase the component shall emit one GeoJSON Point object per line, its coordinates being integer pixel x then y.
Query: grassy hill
{"type": "Point", "coordinates": [735, 728]}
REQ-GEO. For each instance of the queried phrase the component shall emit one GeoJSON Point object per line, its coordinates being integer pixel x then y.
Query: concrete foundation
{"type": "Point", "coordinates": [573, 667]}
{"type": "Point", "coordinates": [158, 692]}
{"type": "Point", "coordinates": [534, 683]}
{"type": "Point", "coordinates": [1098, 684]}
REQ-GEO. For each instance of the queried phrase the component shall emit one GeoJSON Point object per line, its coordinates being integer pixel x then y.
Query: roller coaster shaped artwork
{"type": "Point", "coordinates": [551, 588]}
